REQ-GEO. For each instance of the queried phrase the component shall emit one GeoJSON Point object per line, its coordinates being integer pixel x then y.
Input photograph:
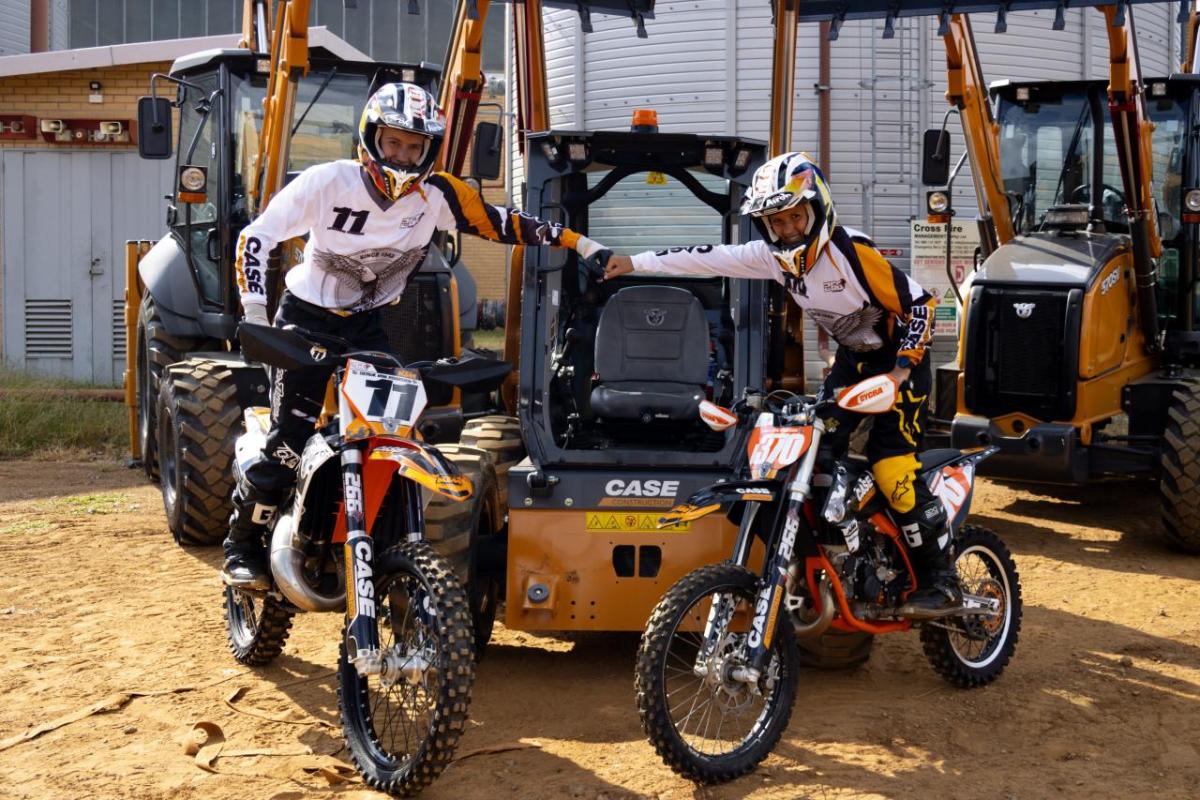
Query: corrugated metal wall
{"type": "Point", "coordinates": [14, 27]}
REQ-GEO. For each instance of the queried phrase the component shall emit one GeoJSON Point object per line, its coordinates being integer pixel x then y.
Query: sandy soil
{"type": "Point", "coordinates": [98, 605]}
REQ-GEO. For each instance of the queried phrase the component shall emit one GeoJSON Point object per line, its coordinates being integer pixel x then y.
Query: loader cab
{"type": "Point", "coordinates": [611, 373]}
{"type": "Point", "coordinates": [220, 100]}
{"type": "Point", "coordinates": [1062, 177]}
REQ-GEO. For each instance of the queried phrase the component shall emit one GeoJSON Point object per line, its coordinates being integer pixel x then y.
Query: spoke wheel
{"type": "Point", "coordinates": [705, 723]}
{"type": "Point", "coordinates": [257, 626]}
{"type": "Point", "coordinates": [403, 726]}
{"type": "Point", "coordinates": [973, 651]}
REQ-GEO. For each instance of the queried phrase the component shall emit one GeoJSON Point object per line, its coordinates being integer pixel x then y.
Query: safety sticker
{"type": "Point", "coordinates": [607, 522]}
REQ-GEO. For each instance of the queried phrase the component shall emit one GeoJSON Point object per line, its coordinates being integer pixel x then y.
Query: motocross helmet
{"type": "Point", "coordinates": [404, 107]}
{"type": "Point", "coordinates": [785, 182]}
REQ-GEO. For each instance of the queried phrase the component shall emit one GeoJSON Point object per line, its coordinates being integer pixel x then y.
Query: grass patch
{"type": "Point", "coordinates": [102, 503]}
{"type": "Point", "coordinates": [36, 526]}
{"type": "Point", "coordinates": [42, 421]}
{"type": "Point", "coordinates": [490, 340]}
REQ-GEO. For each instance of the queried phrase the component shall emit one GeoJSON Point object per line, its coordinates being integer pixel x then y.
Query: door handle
{"type": "Point", "coordinates": [96, 268]}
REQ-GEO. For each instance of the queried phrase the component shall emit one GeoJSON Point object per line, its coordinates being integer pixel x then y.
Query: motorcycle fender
{"type": "Point", "coordinates": [713, 498]}
{"type": "Point", "coordinates": [425, 466]}
{"type": "Point", "coordinates": [954, 484]}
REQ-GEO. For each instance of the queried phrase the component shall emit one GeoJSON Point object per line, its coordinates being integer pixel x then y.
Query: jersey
{"type": "Point", "coordinates": [362, 249]}
{"type": "Point", "coordinates": [868, 306]}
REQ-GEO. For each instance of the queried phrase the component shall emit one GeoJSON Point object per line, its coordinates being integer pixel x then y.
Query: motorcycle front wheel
{"type": "Point", "coordinates": [403, 726]}
{"type": "Point", "coordinates": [706, 724]}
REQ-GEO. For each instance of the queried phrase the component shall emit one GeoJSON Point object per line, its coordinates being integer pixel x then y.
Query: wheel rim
{"type": "Point", "coordinates": [143, 377]}
{"type": "Point", "coordinates": [399, 713]}
{"type": "Point", "coordinates": [715, 715]}
{"type": "Point", "coordinates": [168, 457]}
{"type": "Point", "coordinates": [980, 571]}
{"type": "Point", "coordinates": [242, 615]}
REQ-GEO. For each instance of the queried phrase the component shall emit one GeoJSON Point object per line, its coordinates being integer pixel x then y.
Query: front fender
{"type": "Point", "coordinates": [426, 466]}
{"type": "Point", "coordinates": [713, 498]}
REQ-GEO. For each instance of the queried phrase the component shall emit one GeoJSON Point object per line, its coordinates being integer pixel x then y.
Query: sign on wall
{"type": "Point", "coordinates": [928, 241]}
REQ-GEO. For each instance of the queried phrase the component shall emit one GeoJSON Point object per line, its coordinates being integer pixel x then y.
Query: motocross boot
{"type": "Point", "coordinates": [245, 548]}
{"type": "Point", "coordinates": [928, 536]}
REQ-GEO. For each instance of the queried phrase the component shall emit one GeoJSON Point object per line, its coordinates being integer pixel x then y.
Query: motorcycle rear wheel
{"type": "Point", "coordinates": [402, 734]}
{"type": "Point", "coordinates": [668, 688]}
{"type": "Point", "coordinates": [256, 626]}
{"type": "Point", "coordinates": [973, 652]}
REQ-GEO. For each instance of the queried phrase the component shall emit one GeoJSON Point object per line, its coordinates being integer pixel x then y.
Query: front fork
{"type": "Point", "coordinates": [774, 581]}
{"type": "Point", "coordinates": [362, 632]}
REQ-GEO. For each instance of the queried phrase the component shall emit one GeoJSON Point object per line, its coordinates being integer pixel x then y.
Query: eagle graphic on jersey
{"type": "Point", "coordinates": [367, 278]}
{"type": "Point", "coordinates": [855, 330]}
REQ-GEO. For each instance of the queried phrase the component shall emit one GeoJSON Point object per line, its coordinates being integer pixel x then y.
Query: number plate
{"type": "Point", "coordinates": [771, 448]}
{"type": "Point", "coordinates": [382, 401]}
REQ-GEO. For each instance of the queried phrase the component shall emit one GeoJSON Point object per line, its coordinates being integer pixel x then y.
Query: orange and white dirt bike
{"type": "Point", "coordinates": [351, 537]}
{"type": "Point", "coordinates": [717, 665]}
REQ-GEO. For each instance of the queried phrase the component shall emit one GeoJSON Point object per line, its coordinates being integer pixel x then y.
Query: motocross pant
{"type": "Point", "coordinates": [297, 397]}
{"type": "Point", "coordinates": [892, 445]}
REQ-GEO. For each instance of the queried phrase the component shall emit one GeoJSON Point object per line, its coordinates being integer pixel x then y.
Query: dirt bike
{"type": "Point", "coordinates": [717, 665]}
{"type": "Point", "coordinates": [351, 536]}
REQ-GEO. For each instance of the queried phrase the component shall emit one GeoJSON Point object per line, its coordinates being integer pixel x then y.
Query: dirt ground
{"type": "Point", "coordinates": [100, 610]}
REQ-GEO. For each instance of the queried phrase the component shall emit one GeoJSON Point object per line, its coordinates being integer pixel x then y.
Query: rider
{"type": "Point", "coordinates": [369, 224]}
{"type": "Point", "coordinates": [880, 318]}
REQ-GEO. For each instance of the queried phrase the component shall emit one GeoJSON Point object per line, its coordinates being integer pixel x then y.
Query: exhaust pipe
{"type": "Point", "coordinates": [810, 630]}
{"type": "Point", "coordinates": [287, 567]}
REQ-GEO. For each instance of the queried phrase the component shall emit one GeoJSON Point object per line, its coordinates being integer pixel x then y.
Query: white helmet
{"type": "Point", "coordinates": [405, 107]}
{"type": "Point", "coordinates": [784, 182]}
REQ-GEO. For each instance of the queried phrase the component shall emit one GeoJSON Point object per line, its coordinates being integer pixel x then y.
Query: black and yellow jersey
{"type": "Point", "coordinates": [852, 291]}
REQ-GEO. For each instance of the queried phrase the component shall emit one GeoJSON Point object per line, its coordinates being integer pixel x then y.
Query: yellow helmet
{"type": "Point", "coordinates": [785, 182]}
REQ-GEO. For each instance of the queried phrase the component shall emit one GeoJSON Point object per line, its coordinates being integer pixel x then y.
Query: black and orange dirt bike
{"type": "Point", "coordinates": [717, 665]}
{"type": "Point", "coordinates": [351, 536]}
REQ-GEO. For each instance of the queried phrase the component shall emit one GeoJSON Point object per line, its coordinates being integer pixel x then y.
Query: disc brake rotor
{"type": "Point", "coordinates": [981, 626]}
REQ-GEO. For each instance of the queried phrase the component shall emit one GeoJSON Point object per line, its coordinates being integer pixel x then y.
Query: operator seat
{"type": "Point", "coordinates": [652, 347]}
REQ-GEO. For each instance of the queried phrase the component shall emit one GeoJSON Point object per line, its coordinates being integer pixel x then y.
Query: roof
{"type": "Point", "coordinates": [143, 52]}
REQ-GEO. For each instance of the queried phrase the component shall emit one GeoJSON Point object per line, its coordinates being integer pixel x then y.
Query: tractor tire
{"type": "Point", "coordinates": [472, 525]}
{"type": "Point", "coordinates": [198, 421]}
{"type": "Point", "coordinates": [1179, 473]}
{"type": "Point", "coordinates": [156, 350]}
{"type": "Point", "coordinates": [501, 437]}
{"type": "Point", "coordinates": [835, 649]}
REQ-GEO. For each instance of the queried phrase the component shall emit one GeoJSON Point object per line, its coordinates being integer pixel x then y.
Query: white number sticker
{"type": "Point", "coordinates": [394, 399]}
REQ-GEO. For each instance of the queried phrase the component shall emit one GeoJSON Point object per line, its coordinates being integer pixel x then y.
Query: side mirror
{"type": "Point", "coordinates": [154, 127]}
{"type": "Point", "coordinates": [485, 156]}
{"type": "Point", "coordinates": [935, 157]}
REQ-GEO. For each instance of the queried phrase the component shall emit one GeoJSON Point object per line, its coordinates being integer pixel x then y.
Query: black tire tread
{"type": "Point", "coordinates": [447, 520]}
{"type": "Point", "coordinates": [1179, 461]}
{"type": "Point", "coordinates": [162, 350]}
{"type": "Point", "coordinates": [651, 694]}
{"type": "Point", "coordinates": [936, 641]}
{"type": "Point", "coordinates": [500, 436]}
{"type": "Point", "coordinates": [208, 416]}
{"type": "Point", "coordinates": [836, 650]}
{"type": "Point", "coordinates": [274, 625]}
{"type": "Point", "coordinates": [454, 700]}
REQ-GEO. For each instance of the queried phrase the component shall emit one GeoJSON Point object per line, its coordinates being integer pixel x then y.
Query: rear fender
{"type": "Point", "coordinates": [713, 498]}
{"type": "Point", "coordinates": [954, 484]}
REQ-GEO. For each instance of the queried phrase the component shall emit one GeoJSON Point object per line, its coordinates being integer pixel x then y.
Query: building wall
{"type": "Point", "coordinates": [65, 95]}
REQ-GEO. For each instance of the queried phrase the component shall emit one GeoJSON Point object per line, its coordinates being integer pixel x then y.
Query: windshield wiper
{"type": "Point", "coordinates": [313, 102]}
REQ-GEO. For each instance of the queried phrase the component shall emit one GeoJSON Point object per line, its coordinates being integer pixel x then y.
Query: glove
{"type": "Point", "coordinates": [256, 314]}
{"type": "Point", "coordinates": [594, 257]}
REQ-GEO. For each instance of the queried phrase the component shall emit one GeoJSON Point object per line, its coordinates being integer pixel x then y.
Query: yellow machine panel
{"type": "Point", "coordinates": [1108, 319]}
{"type": "Point", "coordinates": [602, 570]}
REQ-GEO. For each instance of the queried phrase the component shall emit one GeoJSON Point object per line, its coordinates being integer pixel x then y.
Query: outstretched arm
{"type": "Point", "coordinates": [749, 260]}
